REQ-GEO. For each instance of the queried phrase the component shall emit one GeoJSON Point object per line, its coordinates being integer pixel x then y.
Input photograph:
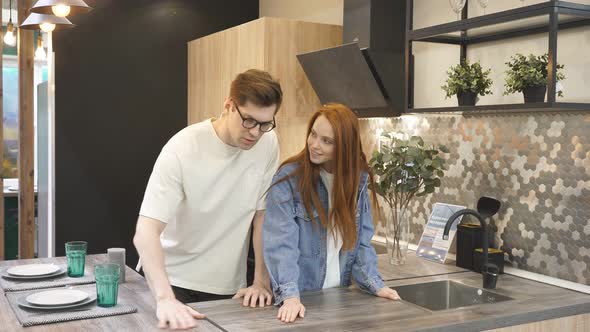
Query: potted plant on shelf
{"type": "Point", "coordinates": [528, 74]}
{"type": "Point", "coordinates": [405, 169]}
{"type": "Point", "coordinates": [467, 81]}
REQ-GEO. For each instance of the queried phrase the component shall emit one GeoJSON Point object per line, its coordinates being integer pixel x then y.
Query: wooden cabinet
{"type": "Point", "coordinates": [269, 44]}
{"type": "Point", "coordinates": [578, 323]}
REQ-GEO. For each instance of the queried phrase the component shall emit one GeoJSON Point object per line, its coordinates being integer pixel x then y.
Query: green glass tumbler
{"type": "Point", "coordinates": [76, 255]}
{"type": "Point", "coordinates": [107, 284]}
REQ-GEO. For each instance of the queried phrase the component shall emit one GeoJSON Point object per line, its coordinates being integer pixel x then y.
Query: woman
{"type": "Point", "coordinates": [318, 225]}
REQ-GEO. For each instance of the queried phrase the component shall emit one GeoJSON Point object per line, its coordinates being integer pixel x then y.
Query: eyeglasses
{"type": "Point", "coordinates": [250, 123]}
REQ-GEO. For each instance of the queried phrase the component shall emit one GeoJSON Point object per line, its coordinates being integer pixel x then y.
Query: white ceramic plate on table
{"type": "Point", "coordinates": [59, 272]}
{"type": "Point", "coordinates": [22, 301]}
{"type": "Point", "coordinates": [57, 297]}
{"type": "Point", "coordinates": [32, 270]}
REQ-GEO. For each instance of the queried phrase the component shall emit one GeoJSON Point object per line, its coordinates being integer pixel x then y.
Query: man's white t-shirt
{"type": "Point", "coordinates": [207, 193]}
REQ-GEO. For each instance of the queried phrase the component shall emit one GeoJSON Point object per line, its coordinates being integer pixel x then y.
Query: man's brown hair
{"type": "Point", "coordinates": [258, 87]}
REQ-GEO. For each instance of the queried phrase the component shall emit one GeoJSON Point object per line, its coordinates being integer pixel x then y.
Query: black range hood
{"type": "Point", "coordinates": [367, 72]}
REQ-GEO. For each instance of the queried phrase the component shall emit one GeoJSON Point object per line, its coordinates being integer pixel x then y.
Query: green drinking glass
{"type": "Point", "coordinates": [76, 255]}
{"type": "Point", "coordinates": [107, 284]}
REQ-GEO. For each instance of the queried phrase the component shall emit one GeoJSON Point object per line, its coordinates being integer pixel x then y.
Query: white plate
{"type": "Point", "coordinates": [23, 303]}
{"type": "Point", "coordinates": [59, 272]}
{"type": "Point", "coordinates": [57, 297]}
{"type": "Point", "coordinates": [33, 270]}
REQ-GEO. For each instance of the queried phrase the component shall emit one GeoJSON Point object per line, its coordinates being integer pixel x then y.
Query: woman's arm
{"type": "Point", "coordinates": [364, 268]}
{"type": "Point", "coordinates": [280, 241]}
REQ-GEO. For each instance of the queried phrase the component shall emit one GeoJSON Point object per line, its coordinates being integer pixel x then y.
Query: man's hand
{"type": "Point", "coordinates": [388, 293]}
{"type": "Point", "coordinates": [176, 315]}
{"type": "Point", "coordinates": [290, 310]}
{"type": "Point", "coordinates": [260, 289]}
{"type": "Point", "coordinates": [253, 294]}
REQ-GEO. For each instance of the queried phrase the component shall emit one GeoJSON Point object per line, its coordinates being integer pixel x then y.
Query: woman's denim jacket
{"type": "Point", "coordinates": [294, 247]}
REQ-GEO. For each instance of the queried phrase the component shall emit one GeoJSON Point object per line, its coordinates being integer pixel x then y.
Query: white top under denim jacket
{"type": "Point", "coordinates": [333, 240]}
{"type": "Point", "coordinates": [294, 247]}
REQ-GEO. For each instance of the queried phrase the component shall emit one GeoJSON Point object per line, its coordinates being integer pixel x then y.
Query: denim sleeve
{"type": "Point", "coordinates": [280, 241]}
{"type": "Point", "coordinates": [364, 268]}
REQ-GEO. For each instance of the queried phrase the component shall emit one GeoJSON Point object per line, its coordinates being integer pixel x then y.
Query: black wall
{"type": "Point", "coordinates": [121, 93]}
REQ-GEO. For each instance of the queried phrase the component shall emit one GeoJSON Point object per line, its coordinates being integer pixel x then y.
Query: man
{"type": "Point", "coordinates": [207, 187]}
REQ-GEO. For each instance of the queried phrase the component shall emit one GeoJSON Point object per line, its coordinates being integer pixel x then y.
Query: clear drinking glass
{"type": "Point", "coordinates": [76, 256]}
{"type": "Point", "coordinates": [457, 6]}
{"type": "Point", "coordinates": [107, 284]}
{"type": "Point", "coordinates": [484, 5]}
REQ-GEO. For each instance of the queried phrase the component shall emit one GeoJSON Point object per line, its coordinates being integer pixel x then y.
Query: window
{"type": "Point", "coordinates": [10, 108]}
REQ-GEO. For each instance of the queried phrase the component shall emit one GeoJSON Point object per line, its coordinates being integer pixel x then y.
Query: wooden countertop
{"type": "Point", "coordinates": [341, 309]}
{"type": "Point", "coordinates": [12, 193]}
{"type": "Point", "coordinates": [345, 309]}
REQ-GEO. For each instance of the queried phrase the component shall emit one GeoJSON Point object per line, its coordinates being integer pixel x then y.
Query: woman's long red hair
{"type": "Point", "coordinates": [348, 162]}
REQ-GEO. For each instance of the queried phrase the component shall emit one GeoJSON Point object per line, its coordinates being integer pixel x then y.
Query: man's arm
{"type": "Point", "coordinates": [170, 312]}
{"type": "Point", "coordinates": [259, 292]}
{"type": "Point", "coordinates": [147, 242]}
{"type": "Point", "coordinates": [260, 289]}
{"type": "Point", "coordinates": [260, 273]}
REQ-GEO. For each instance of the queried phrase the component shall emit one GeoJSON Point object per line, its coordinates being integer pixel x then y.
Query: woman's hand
{"type": "Point", "coordinates": [290, 309]}
{"type": "Point", "coordinates": [388, 293]}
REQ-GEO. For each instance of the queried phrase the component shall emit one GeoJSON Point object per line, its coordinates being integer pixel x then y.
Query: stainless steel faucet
{"type": "Point", "coordinates": [489, 278]}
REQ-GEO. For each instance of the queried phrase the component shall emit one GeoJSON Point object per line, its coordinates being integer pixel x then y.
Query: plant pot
{"type": "Point", "coordinates": [467, 98]}
{"type": "Point", "coordinates": [534, 94]}
{"type": "Point", "coordinates": [397, 236]}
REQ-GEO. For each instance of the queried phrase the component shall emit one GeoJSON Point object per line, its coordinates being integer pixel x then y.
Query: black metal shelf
{"type": "Point", "coordinates": [506, 108]}
{"type": "Point", "coordinates": [506, 24]}
{"type": "Point", "coordinates": [547, 17]}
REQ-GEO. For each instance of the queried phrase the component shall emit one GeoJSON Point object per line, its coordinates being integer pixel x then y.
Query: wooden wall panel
{"type": "Point", "coordinates": [285, 39]}
{"type": "Point", "coordinates": [269, 44]}
{"type": "Point", "coordinates": [215, 60]}
{"type": "Point", "coordinates": [26, 195]}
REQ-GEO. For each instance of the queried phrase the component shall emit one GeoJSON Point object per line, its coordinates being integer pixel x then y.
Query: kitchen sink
{"type": "Point", "coordinates": [445, 294]}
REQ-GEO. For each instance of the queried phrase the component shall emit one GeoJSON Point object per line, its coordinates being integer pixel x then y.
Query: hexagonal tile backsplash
{"type": "Point", "coordinates": [538, 165]}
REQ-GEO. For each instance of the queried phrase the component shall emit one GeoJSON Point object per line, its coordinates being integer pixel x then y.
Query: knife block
{"type": "Point", "coordinates": [469, 237]}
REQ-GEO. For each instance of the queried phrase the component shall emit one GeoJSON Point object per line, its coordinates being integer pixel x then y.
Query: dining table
{"type": "Point", "coordinates": [139, 294]}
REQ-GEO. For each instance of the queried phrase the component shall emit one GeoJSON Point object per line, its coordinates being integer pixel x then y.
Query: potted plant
{"type": "Point", "coordinates": [405, 169]}
{"type": "Point", "coordinates": [467, 81]}
{"type": "Point", "coordinates": [528, 74]}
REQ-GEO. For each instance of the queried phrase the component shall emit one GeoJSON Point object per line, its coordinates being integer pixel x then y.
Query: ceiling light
{"type": "Point", "coordinates": [46, 23]}
{"type": "Point", "coordinates": [61, 8]}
